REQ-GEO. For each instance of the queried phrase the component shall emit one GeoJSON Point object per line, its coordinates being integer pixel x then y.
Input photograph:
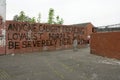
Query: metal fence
{"type": "Point", "coordinates": [108, 28]}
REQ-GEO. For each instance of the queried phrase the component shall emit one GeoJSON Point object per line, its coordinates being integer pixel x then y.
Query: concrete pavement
{"type": "Point", "coordinates": [59, 65]}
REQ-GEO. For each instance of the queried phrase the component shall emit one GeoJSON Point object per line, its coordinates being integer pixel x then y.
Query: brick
{"type": "Point", "coordinates": [41, 37]}
{"type": "Point", "coordinates": [106, 44]}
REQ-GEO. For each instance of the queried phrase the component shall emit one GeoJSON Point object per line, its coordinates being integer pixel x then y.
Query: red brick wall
{"type": "Point", "coordinates": [88, 31]}
{"type": "Point", "coordinates": [106, 44]}
{"type": "Point", "coordinates": [42, 37]}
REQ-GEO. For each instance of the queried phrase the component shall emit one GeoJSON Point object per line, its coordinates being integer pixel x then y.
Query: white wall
{"type": "Point", "coordinates": [3, 9]}
{"type": "Point", "coordinates": [3, 14]}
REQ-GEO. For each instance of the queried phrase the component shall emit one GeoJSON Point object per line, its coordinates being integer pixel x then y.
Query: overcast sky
{"type": "Point", "coordinates": [98, 12]}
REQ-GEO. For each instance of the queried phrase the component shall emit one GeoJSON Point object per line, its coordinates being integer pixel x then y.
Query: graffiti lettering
{"type": "Point", "coordinates": [13, 45]}
{"type": "Point", "coordinates": [33, 27]}
{"type": "Point", "coordinates": [26, 35]}
{"type": "Point", "coordinates": [58, 36]}
{"type": "Point", "coordinates": [66, 41]}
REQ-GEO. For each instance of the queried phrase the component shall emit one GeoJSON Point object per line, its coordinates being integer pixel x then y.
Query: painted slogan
{"type": "Point", "coordinates": [25, 35]}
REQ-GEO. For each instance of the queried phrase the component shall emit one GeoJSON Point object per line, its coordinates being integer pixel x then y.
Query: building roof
{"type": "Point", "coordinates": [82, 24]}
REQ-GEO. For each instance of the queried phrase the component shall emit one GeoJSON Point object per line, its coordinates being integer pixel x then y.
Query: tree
{"type": "Point", "coordinates": [61, 21]}
{"type": "Point", "coordinates": [39, 18]}
{"type": "Point", "coordinates": [27, 19]}
{"type": "Point", "coordinates": [51, 16]}
{"type": "Point", "coordinates": [33, 20]}
{"type": "Point", "coordinates": [23, 18]}
{"type": "Point", "coordinates": [58, 20]}
{"type": "Point", "coordinates": [15, 18]}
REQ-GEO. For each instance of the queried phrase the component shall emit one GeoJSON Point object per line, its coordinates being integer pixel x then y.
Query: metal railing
{"type": "Point", "coordinates": [108, 28]}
